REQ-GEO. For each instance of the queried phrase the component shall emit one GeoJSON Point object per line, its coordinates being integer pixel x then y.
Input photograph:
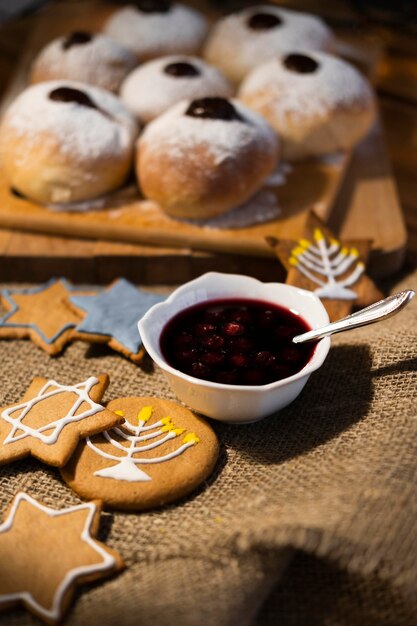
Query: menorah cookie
{"type": "Point", "coordinates": [47, 552]}
{"type": "Point", "coordinates": [334, 269]}
{"type": "Point", "coordinates": [161, 452]}
{"type": "Point", "coordinates": [52, 418]}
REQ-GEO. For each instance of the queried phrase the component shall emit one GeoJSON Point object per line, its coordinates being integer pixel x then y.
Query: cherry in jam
{"type": "Point", "coordinates": [236, 342]}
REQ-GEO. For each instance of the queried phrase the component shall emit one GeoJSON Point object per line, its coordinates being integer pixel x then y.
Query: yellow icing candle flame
{"type": "Point", "coordinates": [298, 251]}
{"type": "Point", "coordinates": [293, 261]}
{"type": "Point", "coordinates": [191, 438]}
{"type": "Point", "coordinates": [178, 431]}
{"type": "Point", "coordinates": [304, 243]}
{"type": "Point", "coordinates": [354, 252]}
{"type": "Point", "coordinates": [145, 413]}
{"type": "Point", "coordinates": [166, 420]}
{"type": "Point", "coordinates": [318, 235]}
{"type": "Point", "coordinates": [167, 428]}
{"type": "Point", "coordinates": [120, 413]}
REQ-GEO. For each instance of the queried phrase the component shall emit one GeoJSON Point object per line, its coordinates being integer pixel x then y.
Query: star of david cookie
{"type": "Point", "coordinates": [46, 553]}
{"type": "Point", "coordinates": [333, 269]}
{"type": "Point", "coordinates": [111, 317]}
{"type": "Point", "coordinates": [51, 419]}
{"type": "Point", "coordinates": [161, 452]}
{"type": "Point", "coordinates": [40, 314]}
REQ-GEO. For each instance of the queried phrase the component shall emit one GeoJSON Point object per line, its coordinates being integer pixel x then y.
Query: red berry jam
{"type": "Point", "coordinates": [236, 342]}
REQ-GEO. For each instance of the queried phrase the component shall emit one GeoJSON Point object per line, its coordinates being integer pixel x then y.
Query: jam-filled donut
{"type": "Point", "coordinates": [155, 86]}
{"type": "Point", "coordinates": [317, 103]}
{"type": "Point", "coordinates": [241, 41]}
{"type": "Point", "coordinates": [203, 157]}
{"type": "Point", "coordinates": [63, 142]}
{"type": "Point", "coordinates": [86, 57]}
{"type": "Point", "coordinates": [152, 28]}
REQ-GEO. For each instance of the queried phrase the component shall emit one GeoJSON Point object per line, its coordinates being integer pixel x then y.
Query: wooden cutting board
{"type": "Point", "coordinates": [367, 203]}
{"type": "Point", "coordinates": [129, 218]}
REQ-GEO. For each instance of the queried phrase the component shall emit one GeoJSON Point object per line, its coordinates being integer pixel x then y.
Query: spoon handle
{"type": "Point", "coordinates": [378, 311]}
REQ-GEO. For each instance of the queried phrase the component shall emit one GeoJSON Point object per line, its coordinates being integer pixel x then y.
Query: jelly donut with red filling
{"type": "Point", "coordinates": [203, 157]}
{"type": "Point", "coordinates": [156, 85]}
{"type": "Point", "coordinates": [152, 28]}
{"type": "Point", "coordinates": [241, 41]}
{"type": "Point", "coordinates": [85, 57]}
{"type": "Point", "coordinates": [317, 103]}
{"type": "Point", "coordinates": [63, 142]}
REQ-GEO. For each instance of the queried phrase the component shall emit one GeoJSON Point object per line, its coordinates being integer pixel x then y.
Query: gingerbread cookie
{"type": "Point", "coordinates": [41, 314]}
{"type": "Point", "coordinates": [333, 269]}
{"type": "Point", "coordinates": [161, 452]}
{"type": "Point", "coordinates": [46, 552]}
{"type": "Point", "coordinates": [112, 316]}
{"type": "Point", "coordinates": [52, 418]}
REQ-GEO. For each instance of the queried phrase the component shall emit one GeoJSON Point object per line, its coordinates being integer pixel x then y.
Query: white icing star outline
{"type": "Point", "coordinates": [81, 390]}
{"type": "Point", "coordinates": [107, 564]}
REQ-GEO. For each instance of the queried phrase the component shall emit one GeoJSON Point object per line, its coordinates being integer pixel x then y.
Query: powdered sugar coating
{"type": "Point", "coordinates": [80, 132]}
{"type": "Point", "coordinates": [148, 91]}
{"type": "Point", "coordinates": [179, 30]}
{"type": "Point", "coordinates": [317, 113]}
{"type": "Point", "coordinates": [236, 48]}
{"type": "Point", "coordinates": [101, 61]}
{"type": "Point", "coordinates": [260, 208]}
{"type": "Point", "coordinates": [307, 97]}
{"type": "Point", "coordinates": [179, 135]}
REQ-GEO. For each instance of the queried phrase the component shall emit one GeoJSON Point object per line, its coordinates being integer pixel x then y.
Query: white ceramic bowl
{"type": "Point", "coordinates": [234, 403]}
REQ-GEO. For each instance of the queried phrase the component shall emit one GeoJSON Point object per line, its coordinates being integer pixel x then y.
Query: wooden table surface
{"type": "Point", "coordinates": [395, 80]}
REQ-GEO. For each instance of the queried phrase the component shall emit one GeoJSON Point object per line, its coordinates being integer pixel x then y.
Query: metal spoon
{"type": "Point", "coordinates": [379, 311]}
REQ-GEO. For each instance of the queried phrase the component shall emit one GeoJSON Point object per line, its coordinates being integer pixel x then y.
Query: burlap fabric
{"type": "Point", "coordinates": [310, 517]}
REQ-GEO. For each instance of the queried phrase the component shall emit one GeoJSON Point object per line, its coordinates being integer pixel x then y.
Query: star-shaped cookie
{"type": "Point", "coordinates": [333, 269]}
{"type": "Point", "coordinates": [40, 313]}
{"type": "Point", "coordinates": [45, 553]}
{"type": "Point", "coordinates": [51, 419]}
{"type": "Point", "coordinates": [112, 316]}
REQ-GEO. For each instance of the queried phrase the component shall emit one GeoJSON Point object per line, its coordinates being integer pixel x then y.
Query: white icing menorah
{"type": "Point", "coordinates": [328, 260]}
{"type": "Point", "coordinates": [126, 468]}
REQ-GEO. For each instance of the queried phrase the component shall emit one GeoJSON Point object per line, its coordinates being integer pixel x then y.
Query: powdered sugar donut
{"type": "Point", "coordinates": [86, 57]}
{"type": "Point", "coordinates": [155, 86]}
{"type": "Point", "coordinates": [64, 142]}
{"type": "Point", "coordinates": [204, 157]}
{"type": "Point", "coordinates": [316, 102]}
{"type": "Point", "coordinates": [241, 41]}
{"type": "Point", "coordinates": [152, 28]}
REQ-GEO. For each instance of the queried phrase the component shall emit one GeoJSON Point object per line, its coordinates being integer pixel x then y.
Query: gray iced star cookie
{"type": "Point", "coordinates": [111, 317]}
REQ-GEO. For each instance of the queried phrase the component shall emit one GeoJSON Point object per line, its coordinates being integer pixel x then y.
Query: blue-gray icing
{"type": "Point", "coordinates": [8, 294]}
{"type": "Point", "coordinates": [115, 313]}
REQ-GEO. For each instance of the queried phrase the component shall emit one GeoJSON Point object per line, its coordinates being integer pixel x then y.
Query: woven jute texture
{"type": "Point", "coordinates": [309, 518]}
